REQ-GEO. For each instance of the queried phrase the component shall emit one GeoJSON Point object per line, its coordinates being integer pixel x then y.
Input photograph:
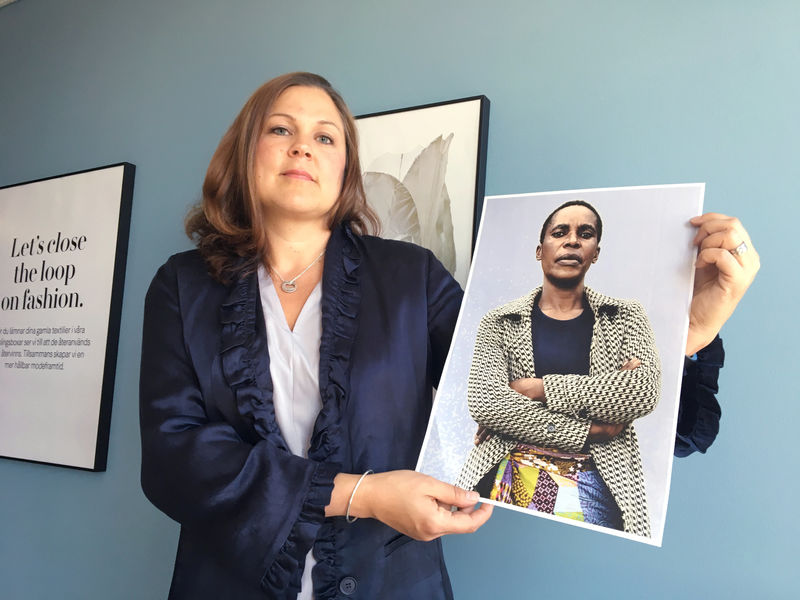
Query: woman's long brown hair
{"type": "Point", "coordinates": [228, 223]}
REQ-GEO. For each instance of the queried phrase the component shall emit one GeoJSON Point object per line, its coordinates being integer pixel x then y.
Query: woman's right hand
{"type": "Point", "coordinates": [415, 504]}
{"type": "Point", "coordinates": [726, 264]}
{"type": "Point", "coordinates": [602, 432]}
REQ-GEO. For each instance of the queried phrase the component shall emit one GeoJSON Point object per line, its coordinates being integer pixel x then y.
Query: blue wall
{"type": "Point", "coordinates": [584, 94]}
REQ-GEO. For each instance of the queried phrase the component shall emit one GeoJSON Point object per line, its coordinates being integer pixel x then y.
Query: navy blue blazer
{"type": "Point", "coordinates": [213, 457]}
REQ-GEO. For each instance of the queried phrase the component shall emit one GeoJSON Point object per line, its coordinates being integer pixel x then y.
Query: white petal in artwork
{"type": "Point", "coordinates": [392, 201]}
{"type": "Point", "coordinates": [445, 247]}
{"type": "Point", "coordinates": [425, 181]}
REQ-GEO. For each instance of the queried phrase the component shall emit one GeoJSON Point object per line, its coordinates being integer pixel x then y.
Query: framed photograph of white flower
{"type": "Point", "coordinates": [424, 173]}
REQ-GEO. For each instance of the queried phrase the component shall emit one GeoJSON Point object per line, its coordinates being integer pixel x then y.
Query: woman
{"type": "Point", "coordinates": [281, 250]}
{"type": "Point", "coordinates": [287, 358]}
{"type": "Point", "coordinates": [590, 365]}
{"type": "Point", "coordinates": [559, 375]}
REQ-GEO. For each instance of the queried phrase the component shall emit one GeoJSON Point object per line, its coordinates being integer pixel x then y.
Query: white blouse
{"type": "Point", "coordinates": [294, 367]}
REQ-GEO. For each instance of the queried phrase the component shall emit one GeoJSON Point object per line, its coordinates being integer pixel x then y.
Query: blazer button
{"type": "Point", "coordinates": [550, 428]}
{"type": "Point", "coordinates": [348, 585]}
{"type": "Point", "coordinates": [583, 413]}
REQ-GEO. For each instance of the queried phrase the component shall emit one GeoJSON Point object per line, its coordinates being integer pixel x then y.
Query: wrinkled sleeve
{"type": "Point", "coordinates": [699, 412]}
{"type": "Point", "coordinates": [253, 506]}
{"type": "Point", "coordinates": [615, 396]}
{"type": "Point", "coordinates": [493, 404]}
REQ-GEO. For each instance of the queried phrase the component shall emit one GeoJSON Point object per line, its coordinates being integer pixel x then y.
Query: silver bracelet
{"type": "Point", "coordinates": [347, 516]}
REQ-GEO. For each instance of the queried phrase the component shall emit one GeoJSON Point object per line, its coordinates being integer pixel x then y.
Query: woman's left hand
{"type": "Point", "coordinates": [415, 504]}
{"type": "Point", "coordinates": [532, 387]}
{"type": "Point", "coordinates": [726, 264]}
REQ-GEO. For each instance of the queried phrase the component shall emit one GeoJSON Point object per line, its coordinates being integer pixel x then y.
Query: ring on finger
{"type": "Point", "coordinates": [740, 249]}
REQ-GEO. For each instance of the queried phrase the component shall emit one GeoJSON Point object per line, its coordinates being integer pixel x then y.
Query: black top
{"type": "Point", "coordinates": [561, 347]}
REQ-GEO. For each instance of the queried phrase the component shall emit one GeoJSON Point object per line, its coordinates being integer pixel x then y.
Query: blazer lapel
{"type": "Point", "coordinates": [245, 358]}
{"type": "Point", "coordinates": [606, 333]}
{"type": "Point", "coordinates": [517, 337]}
{"type": "Point", "coordinates": [341, 302]}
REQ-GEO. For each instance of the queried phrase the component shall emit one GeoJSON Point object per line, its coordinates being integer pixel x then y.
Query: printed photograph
{"type": "Point", "coordinates": [560, 394]}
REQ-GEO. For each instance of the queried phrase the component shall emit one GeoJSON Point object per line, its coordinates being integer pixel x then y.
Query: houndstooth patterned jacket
{"type": "Point", "coordinates": [503, 353]}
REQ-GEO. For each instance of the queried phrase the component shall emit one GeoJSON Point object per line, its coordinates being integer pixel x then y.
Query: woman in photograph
{"type": "Point", "coordinates": [557, 380]}
{"type": "Point", "coordinates": [287, 373]}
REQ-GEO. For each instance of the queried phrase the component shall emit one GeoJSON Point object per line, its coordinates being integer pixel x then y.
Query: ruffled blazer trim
{"type": "Point", "coordinates": [245, 365]}
{"type": "Point", "coordinates": [341, 302]}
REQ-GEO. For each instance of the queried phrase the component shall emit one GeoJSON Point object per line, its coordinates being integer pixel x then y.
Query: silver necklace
{"type": "Point", "coordinates": [288, 285]}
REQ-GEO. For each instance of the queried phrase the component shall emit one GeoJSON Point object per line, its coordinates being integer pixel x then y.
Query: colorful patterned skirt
{"type": "Point", "coordinates": [557, 483]}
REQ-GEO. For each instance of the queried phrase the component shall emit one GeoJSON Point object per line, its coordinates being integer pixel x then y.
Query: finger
{"type": "Point", "coordinates": [712, 226]}
{"type": "Point", "coordinates": [478, 438]}
{"type": "Point", "coordinates": [631, 364]}
{"type": "Point", "coordinates": [730, 241]}
{"type": "Point", "coordinates": [470, 509]}
{"type": "Point", "coordinates": [467, 509]}
{"type": "Point", "coordinates": [447, 493]}
{"type": "Point", "coordinates": [709, 216]}
{"type": "Point", "coordinates": [724, 261]}
{"type": "Point", "coordinates": [727, 233]}
{"type": "Point", "coordinates": [482, 513]}
{"type": "Point", "coordinates": [727, 239]}
{"type": "Point", "coordinates": [468, 522]}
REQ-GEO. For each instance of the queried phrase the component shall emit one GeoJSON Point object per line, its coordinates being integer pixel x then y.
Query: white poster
{"type": "Point", "coordinates": [62, 241]}
{"type": "Point", "coordinates": [645, 267]}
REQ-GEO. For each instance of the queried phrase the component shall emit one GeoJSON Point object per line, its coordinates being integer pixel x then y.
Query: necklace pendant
{"type": "Point", "coordinates": [290, 286]}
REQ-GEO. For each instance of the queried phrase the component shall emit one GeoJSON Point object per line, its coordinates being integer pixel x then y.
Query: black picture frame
{"type": "Point", "coordinates": [401, 147]}
{"type": "Point", "coordinates": [45, 220]}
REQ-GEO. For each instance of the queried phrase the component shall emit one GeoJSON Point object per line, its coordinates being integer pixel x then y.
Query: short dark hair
{"type": "Point", "coordinates": [573, 203]}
